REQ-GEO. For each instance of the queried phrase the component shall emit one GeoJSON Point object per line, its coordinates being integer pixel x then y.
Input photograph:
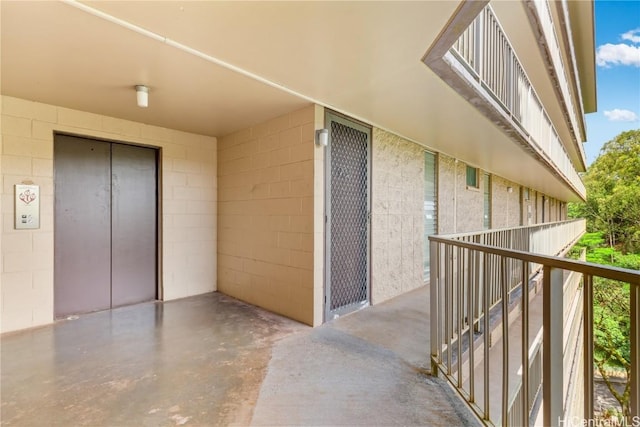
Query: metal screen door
{"type": "Point", "coordinates": [348, 207]}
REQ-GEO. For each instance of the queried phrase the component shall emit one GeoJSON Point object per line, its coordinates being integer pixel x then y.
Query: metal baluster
{"type": "Point", "coordinates": [552, 324]}
{"type": "Point", "coordinates": [634, 402]}
{"type": "Point", "coordinates": [459, 314]}
{"type": "Point", "coordinates": [587, 309]}
{"type": "Point", "coordinates": [473, 276]}
{"type": "Point", "coordinates": [486, 332]}
{"type": "Point", "coordinates": [505, 341]}
{"type": "Point", "coordinates": [436, 313]}
{"type": "Point", "coordinates": [525, 344]}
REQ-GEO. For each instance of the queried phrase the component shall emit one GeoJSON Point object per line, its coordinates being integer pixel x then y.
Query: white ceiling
{"type": "Point", "coordinates": [360, 58]}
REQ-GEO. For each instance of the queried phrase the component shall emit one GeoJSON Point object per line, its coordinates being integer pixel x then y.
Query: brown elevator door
{"type": "Point", "coordinates": [105, 225]}
{"type": "Point", "coordinates": [133, 219]}
{"type": "Point", "coordinates": [82, 225]}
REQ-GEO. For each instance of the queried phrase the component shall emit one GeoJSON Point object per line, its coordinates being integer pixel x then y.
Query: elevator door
{"type": "Point", "coordinates": [105, 225]}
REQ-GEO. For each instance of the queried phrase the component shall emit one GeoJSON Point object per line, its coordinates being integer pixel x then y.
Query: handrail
{"type": "Point", "coordinates": [540, 238]}
{"type": "Point", "coordinates": [460, 283]}
{"type": "Point", "coordinates": [608, 272]}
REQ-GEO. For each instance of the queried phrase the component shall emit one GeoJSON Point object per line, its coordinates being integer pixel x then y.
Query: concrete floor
{"type": "Point", "coordinates": [211, 360]}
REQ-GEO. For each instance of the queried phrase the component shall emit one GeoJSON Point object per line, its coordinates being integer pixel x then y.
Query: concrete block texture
{"type": "Point", "coordinates": [188, 188]}
{"type": "Point", "coordinates": [460, 207]}
{"type": "Point", "coordinates": [266, 214]}
{"type": "Point", "coordinates": [397, 228]}
{"type": "Point", "coordinates": [506, 202]}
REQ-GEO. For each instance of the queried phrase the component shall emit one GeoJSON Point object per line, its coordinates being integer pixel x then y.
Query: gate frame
{"type": "Point", "coordinates": [333, 116]}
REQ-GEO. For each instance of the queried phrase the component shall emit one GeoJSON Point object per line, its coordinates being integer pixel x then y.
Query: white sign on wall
{"type": "Point", "coordinates": [27, 207]}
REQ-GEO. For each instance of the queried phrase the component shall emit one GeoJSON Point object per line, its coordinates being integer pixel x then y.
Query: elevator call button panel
{"type": "Point", "coordinates": [27, 207]}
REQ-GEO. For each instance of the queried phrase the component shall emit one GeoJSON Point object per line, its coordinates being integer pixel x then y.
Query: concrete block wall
{"type": "Point", "coordinates": [527, 206]}
{"type": "Point", "coordinates": [506, 208]}
{"type": "Point", "coordinates": [470, 201]}
{"type": "Point", "coordinates": [540, 206]}
{"type": "Point", "coordinates": [557, 210]}
{"type": "Point", "coordinates": [397, 221]}
{"type": "Point", "coordinates": [266, 215]}
{"type": "Point", "coordinates": [188, 205]}
{"type": "Point", "coordinates": [454, 196]}
{"type": "Point", "coordinates": [446, 183]}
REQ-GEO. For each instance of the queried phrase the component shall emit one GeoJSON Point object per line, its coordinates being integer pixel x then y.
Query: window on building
{"type": "Point", "coordinates": [472, 177]}
{"type": "Point", "coordinates": [525, 194]}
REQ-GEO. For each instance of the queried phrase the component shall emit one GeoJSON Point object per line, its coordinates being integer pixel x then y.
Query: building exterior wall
{"type": "Point", "coordinates": [528, 206]}
{"type": "Point", "coordinates": [187, 205]}
{"type": "Point", "coordinates": [547, 208]}
{"type": "Point", "coordinates": [505, 205]}
{"type": "Point", "coordinates": [460, 207]}
{"type": "Point", "coordinates": [446, 167]}
{"type": "Point", "coordinates": [266, 214]}
{"type": "Point", "coordinates": [469, 201]}
{"type": "Point", "coordinates": [245, 214]}
{"type": "Point", "coordinates": [397, 223]}
{"type": "Point", "coordinates": [540, 207]}
{"type": "Point", "coordinates": [508, 209]}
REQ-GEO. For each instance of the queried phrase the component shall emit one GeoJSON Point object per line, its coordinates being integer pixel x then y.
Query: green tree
{"type": "Point", "coordinates": [612, 210]}
{"type": "Point", "coordinates": [611, 327]}
{"type": "Point", "coordinates": [611, 317]}
{"type": "Point", "coordinates": [613, 193]}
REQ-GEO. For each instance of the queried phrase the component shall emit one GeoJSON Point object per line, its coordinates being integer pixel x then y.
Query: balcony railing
{"type": "Point", "coordinates": [543, 14]}
{"type": "Point", "coordinates": [499, 374]}
{"type": "Point", "coordinates": [548, 238]}
{"type": "Point", "coordinates": [486, 53]}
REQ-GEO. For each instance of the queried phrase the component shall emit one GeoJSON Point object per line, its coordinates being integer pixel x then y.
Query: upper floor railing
{"type": "Point", "coordinates": [485, 51]}
{"type": "Point", "coordinates": [464, 346]}
{"type": "Point", "coordinates": [543, 13]}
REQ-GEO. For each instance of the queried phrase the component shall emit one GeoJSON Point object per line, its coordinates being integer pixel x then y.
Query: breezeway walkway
{"type": "Point", "coordinates": [211, 360]}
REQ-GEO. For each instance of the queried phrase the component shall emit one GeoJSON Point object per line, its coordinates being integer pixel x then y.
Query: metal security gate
{"type": "Point", "coordinates": [348, 208]}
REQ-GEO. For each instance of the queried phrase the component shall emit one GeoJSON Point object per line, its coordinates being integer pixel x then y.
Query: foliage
{"type": "Point", "coordinates": [598, 252]}
{"type": "Point", "coordinates": [612, 210]}
{"type": "Point", "coordinates": [591, 240]}
{"type": "Point", "coordinates": [611, 327]}
{"type": "Point", "coordinates": [613, 193]}
{"type": "Point", "coordinates": [611, 308]}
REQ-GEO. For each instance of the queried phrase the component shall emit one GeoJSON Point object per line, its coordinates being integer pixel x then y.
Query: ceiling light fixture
{"type": "Point", "coordinates": [142, 96]}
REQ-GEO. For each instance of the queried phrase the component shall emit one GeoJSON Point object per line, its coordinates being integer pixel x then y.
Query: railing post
{"type": "Point", "coordinates": [525, 343]}
{"type": "Point", "coordinates": [478, 39]}
{"type": "Point", "coordinates": [634, 402]}
{"type": "Point", "coordinates": [505, 340]}
{"type": "Point", "coordinates": [434, 273]}
{"type": "Point", "coordinates": [552, 324]}
{"type": "Point", "coordinates": [587, 319]}
{"type": "Point", "coordinates": [486, 334]}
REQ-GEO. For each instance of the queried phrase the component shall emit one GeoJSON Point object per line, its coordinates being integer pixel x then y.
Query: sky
{"type": "Point", "coordinates": [617, 73]}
